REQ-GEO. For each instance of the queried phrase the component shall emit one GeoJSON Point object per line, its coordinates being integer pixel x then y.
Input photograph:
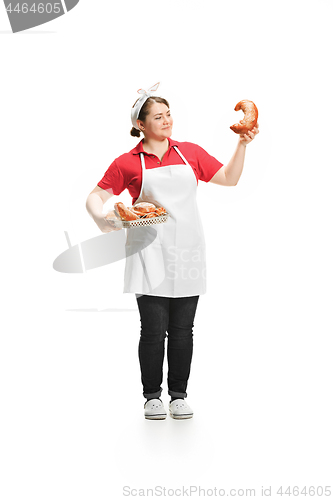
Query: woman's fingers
{"type": "Point", "coordinates": [112, 226]}
{"type": "Point", "coordinates": [250, 135]}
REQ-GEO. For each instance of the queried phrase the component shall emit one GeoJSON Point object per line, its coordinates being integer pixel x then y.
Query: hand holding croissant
{"type": "Point", "coordinates": [249, 136]}
{"type": "Point", "coordinates": [247, 128]}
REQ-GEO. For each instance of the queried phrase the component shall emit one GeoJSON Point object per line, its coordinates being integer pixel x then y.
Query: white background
{"type": "Point", "coordinates": [72, 423]}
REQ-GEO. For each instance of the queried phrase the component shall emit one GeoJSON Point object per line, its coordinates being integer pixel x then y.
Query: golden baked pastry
{"type": "Point", "coordinates": [124, 212]}
{"type": "Point", "coordinates": [144, 207]}
{"type": "Point", "coordinates": [250, 117]}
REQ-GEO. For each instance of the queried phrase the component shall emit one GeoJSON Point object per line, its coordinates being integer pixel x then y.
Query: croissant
{"type": "Point", "coordinates": [250, 117]}
{"type": "Point", "coordinates": [124, 213]}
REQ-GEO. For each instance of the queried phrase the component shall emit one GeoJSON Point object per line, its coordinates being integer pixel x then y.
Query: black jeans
{"type": "Point", "coordinates": [160, 315]}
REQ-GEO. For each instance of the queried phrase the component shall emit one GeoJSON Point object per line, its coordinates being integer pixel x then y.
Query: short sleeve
{"type": "Point", "coordinates": [207, 165]}
{"type": "Point", "coordinates": [113, 180]}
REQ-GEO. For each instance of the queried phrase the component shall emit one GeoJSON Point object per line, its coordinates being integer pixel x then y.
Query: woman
{"type": "Point", "coordinates": [165, 265]}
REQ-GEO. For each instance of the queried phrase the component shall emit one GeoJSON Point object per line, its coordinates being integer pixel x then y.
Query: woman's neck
{"type": "Point", "coordinates": [158, 148]}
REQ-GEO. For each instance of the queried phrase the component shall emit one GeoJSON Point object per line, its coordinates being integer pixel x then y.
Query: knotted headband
{"type": "Point", "coordinates": [140, 102]}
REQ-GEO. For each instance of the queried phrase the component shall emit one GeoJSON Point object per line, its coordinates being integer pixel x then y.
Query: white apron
{"type": "Point", "coordinates": [174, 263]}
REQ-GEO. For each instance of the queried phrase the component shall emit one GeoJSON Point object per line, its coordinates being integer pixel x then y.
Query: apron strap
{"type": "Point", "coordinates": [182, 157]}
{"type": "Point", "coordinates": [143, 171]}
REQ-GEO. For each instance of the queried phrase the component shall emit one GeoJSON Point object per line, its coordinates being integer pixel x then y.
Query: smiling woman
{"type": "Point", "coordinates": [161, 113]}
{"type": "Point", "coordinates": [166, 270]}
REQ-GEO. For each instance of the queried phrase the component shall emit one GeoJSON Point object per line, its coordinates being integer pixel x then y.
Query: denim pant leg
{"type": "Point", "coordinates": [154, 315]}
{"type": "Point", "coordinates": [180, 343]}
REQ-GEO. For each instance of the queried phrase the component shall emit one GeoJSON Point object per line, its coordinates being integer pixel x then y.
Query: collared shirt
{"type": "Point", "coordinates": [125, 172]}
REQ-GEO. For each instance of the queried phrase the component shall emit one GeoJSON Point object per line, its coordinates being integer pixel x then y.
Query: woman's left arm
{"type": "Point", "coordinates": [229, 174]}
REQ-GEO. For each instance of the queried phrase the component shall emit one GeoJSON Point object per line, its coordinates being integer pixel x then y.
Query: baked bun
{"type": "Point", "coordinates": [144, 207]}
{"type": "Point", "coordinates": [250, 117]}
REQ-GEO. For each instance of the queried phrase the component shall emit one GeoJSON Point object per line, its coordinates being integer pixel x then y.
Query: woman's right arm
{"type": "Point", "coordinates": [94, 206]}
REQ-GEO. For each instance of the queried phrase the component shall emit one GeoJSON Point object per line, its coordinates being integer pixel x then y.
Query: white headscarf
{"type": "Point", "coordinates": [140, 102]}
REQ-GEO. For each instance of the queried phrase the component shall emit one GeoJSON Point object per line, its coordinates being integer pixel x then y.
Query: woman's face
{"type": "Point", "coordinates": [158, 123]}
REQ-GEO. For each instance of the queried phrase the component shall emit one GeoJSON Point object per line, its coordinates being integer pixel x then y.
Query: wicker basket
{"type": "Point", "coordinates": [145, 222]}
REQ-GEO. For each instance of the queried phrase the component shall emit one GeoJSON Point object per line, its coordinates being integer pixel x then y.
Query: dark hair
{"type": "Point", "coordinates": [144, 112]}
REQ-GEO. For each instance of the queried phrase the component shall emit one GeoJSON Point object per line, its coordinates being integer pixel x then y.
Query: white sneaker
{"type": "Point", "coordinates": [179, 409]}
{"type": "Point", "coordinates": [154, 410]}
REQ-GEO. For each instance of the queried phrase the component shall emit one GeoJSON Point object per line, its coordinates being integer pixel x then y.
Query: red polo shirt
{"type": "Point", "coordinates": [126, 171]}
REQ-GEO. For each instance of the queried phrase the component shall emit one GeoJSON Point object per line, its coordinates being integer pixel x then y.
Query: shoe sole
{"type": "Point", "coordinates": [181, 417]}
{"type": "Point", "coordinates": [155, 417]}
